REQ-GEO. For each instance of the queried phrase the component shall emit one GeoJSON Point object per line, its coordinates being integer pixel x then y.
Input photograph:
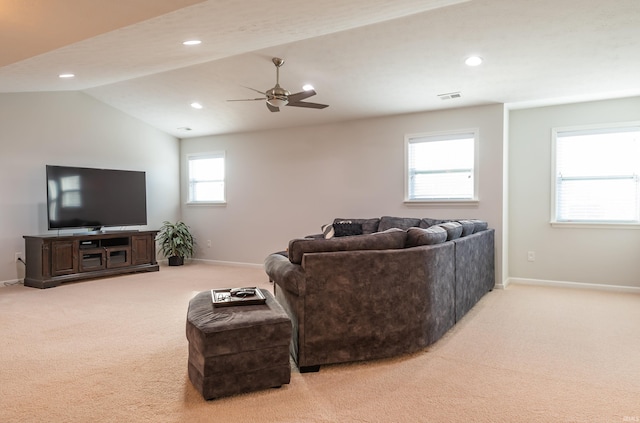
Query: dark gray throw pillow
{"type": "Point", "coordinates": [369, 226]}
{"type": "Point", "coordinates": [347, 228]}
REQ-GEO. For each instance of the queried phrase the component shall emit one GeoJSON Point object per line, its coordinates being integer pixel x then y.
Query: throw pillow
{"type": "Point", "coordinates": [347, 228]}
{"type": "Point", "coordinates": [369, 226]}
{"type": "Point", "coordinates": [327, 231]}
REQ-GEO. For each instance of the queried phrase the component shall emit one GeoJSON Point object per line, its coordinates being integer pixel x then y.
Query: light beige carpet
{"type": "Point", "coordinates": [114, 350]}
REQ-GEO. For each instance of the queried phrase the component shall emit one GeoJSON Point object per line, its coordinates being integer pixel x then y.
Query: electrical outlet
{"type": "Point", "coordinates": [18, 256]}
{"type": "Point", "coordinates": [208, 243]}
{"type": "Point", "coordinates": [531, 256]}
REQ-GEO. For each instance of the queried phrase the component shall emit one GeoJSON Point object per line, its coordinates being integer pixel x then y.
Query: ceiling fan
{"type": "Point", "coordinates": [278, 97]}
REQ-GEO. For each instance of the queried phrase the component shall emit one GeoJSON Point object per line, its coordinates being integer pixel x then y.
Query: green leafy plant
{"type": "Point", "coordinates": [176, 240]}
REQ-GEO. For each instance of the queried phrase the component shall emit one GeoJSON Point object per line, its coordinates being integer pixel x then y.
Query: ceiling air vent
{"type": "Point", "coordinates": [450, 96]}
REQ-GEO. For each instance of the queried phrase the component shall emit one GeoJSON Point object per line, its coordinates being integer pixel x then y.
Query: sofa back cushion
{"type": "Point", "coordinates": [388, 222]}
{"type": "Point", "coordinates": [429, 236]}
{"type": "Point", "coordinates": [479, 225]}
{"type": "Point", "coordinates": [388, 240]}
{"type": "Point", "coordinates": [468, 227]}
{"type": "Point", "coordinates": [454, 229]}
{"type": "Point", "coordinates": [427, 222]}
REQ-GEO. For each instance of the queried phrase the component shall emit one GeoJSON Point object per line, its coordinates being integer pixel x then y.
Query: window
{"type": "Point", "coordinates": [441, 166]}
{"type": "Point", "coordinates": [206, 177]}
{"type": "Point", "coordinates": [596, 172]}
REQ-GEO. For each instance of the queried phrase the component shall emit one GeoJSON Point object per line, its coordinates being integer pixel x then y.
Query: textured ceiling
{"type": "Point", "coordinates": [365, 57]}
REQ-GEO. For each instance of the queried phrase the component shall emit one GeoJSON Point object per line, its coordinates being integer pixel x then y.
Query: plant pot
{"type": "Point", "coordinates": [176, 261]}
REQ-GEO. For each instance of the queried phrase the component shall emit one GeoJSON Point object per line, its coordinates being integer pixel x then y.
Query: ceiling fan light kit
{"type": "Point", "coordinates": [278, 102]}
{"type": "Point", "coordinates": [277, 96]}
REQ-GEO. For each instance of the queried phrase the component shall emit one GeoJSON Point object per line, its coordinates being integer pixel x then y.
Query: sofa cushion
{"type": "Point", "coordinates": [429, 236]}
{"type": "Point", "coordinates": [388, 222]}
{"type": "Point", "coordinates": [369, 226]}
{"type": "Point", "coordinates": [391, 239]}
{"type": "Point", "coordinates": [427, 222]}
{"type": "Point", "coordinates": [327, 231]}
{"type": "Point", "coordinates": [480, 225]}
{"type": "Point", "coordinates": [454, 229]}
{"type": "Point", "coordinates": [468, 227]}
{"type": "Point", "coordinates": [347, 228]}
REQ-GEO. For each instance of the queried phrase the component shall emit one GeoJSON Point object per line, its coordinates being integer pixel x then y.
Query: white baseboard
{"type": "Point", "coordinates": [501, 285]}
{"type": "Point", "coordinates": [165, 261]}
{"type": "Point", "coordinates": [573, 285]}
{"type": "Point", "coordinates": [11, 282]}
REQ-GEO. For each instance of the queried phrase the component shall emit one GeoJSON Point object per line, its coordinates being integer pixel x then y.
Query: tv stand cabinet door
{"type": "Point", "coordinates": [64, 257]}
{"type": "Point", "coordinates": [143, 249]}
{"type": "Point", "coordinates": [118, 257]}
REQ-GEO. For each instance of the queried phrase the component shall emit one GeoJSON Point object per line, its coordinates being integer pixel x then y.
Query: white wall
{"type": "Point", "coordinates": [283, 184]}
{"type": "Point", "coordinates": [70, 128]}
{"type": "Point", "coordinates": [591, 256]}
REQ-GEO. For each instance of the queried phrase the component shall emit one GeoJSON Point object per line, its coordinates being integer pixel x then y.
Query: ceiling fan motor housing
{"type": "Point", "coordinates": [277, 96]}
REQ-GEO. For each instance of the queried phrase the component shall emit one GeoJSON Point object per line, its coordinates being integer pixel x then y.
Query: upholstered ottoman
{"type": "Point", "coordinates": [237, 349]}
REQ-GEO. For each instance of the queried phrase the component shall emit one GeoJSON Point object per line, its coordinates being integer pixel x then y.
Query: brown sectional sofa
{"type": "Point", "coordinates": [394, 289]}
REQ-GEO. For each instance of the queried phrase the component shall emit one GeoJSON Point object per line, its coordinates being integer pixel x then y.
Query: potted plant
{"type": "Point", "coordinates": [176, 242]}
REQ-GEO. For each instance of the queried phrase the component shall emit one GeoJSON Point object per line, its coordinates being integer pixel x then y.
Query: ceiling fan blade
{"type": "Point", "coordinates": [309, 105]}
{"type": "Point", "coordinates": [253, 89]}
{"type": "Point", "coordinates": [294, 98]}
{"type": "Point", "coordinates": [249, 99]}
{"type": "Point", "coordinates": [272, 108]}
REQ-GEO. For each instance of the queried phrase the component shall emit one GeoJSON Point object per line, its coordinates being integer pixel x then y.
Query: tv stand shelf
{"type": "Point", "coordinates": [52, 260]}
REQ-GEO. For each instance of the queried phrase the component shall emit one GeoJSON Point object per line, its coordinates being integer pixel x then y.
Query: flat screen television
{"type": "Point", "coordinates": [80, 197]}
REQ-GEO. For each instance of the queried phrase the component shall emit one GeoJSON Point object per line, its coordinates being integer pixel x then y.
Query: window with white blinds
{"type": "Point", "coordinates": [596, 174]}
{"type": "Point", "coordinates": [441, 166]}
{"type": "Point", "coordinates": [206, 177]}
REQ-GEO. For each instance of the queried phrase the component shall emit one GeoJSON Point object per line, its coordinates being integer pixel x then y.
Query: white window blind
{"type": "Point", "coordinates": [206, 178]}
{"type": "Point", "coordinates": [597, 175]}
{"type": "Point", "coordinates": [441, 166]}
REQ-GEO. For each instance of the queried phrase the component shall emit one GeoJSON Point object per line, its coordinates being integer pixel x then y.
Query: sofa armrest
{"type": "Point", "coordinates": [391, 239]}
{"type": "Point", "coordinates": [285, 274]}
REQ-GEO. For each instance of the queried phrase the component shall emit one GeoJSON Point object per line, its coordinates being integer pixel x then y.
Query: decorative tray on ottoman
{"type": "Point", "coordinates": [228, 297]}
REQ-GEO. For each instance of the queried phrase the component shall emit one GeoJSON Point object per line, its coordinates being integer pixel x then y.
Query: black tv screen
{"type": "Point", "coordinates": [79, 197]}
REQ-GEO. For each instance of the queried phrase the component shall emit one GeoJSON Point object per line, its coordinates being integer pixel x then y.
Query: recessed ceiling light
{"type": "Point", "coordinates": [196, 105]}
{"type": "Point", "coordinates": [66, 75]}
{"type": "Point", "coordinates": [307, 87]}
{"type": "Point", "coordinates": [473, 61]}
{"type": "Point", "coordinates": [191, 42]}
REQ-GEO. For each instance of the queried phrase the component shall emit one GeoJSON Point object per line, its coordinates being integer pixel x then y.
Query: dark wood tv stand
{"type": "Point", "coordinates": [52, 260]}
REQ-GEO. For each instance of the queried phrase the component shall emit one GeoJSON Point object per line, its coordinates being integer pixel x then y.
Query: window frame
{"type": "Point", "coordinates": [586, 129]}
{"type": "Point", "coordinates": [443, 136]}
{"type": "Point", "coordinates": [206, 155]}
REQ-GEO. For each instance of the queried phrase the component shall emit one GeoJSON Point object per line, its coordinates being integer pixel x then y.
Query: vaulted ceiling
{"type": "Point", "coordinates": [365, 58]}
